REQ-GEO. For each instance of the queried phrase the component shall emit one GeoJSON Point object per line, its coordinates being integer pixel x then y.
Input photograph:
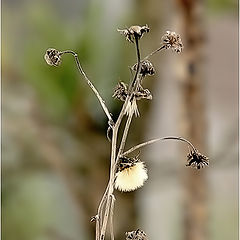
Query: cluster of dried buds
{"type": "Point", "coordinates": [121, 92]}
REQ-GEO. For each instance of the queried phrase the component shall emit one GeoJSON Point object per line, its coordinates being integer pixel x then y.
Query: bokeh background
{"type": "Point", "coordinates": [55, 155]}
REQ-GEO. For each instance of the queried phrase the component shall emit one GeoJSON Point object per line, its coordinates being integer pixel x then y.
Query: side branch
{"type": "Point", "coordinates": [102, 102]}
{"type": "Point", "coordinates": [156, 140]}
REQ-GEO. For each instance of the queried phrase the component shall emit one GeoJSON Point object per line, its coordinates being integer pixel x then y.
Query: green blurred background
{"type": "Point", "coordinates": [55, 155]}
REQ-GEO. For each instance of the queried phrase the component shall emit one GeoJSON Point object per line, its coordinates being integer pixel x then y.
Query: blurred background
{"type": "Point", "coordinates": [55, 155]}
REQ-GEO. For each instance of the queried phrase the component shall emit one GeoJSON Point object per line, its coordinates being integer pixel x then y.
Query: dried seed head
{"type": "Point", "coordinates": [53, 57]}
{"type": "Point", "coordinates": [146, 68]}
{"type": "Point", "coordinates": [131, 174]}
{"type": "Point", "coordinates": [173, 41]}
{"type": "Point", "coordinates": [120, 91]}
{"type": "Point", "coordinates": [197, 160]}
{"type": "Point", "coordinates": [143, 93]}
{"type": "Point", "coordinates": [136, 235]}
{"type": "Point", "coordinates": [134, 32]}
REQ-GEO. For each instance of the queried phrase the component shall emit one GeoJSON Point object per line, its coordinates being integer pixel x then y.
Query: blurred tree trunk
{"type": "Point", "coordinates": [193, 119]}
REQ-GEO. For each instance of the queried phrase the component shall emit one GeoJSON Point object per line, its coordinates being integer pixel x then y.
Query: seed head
{"type": "Point", "coordinates": [146, 68]}
{"type": "Point", "coordinates": [131, 174]}
{"type": "Point", "coordinates": [197, 160]}
{"type": "Point", "coordinates": [134, 32]}
{"type": "Point", "coordinates": [136, 235]}
{"type": "Point", "coordinates": [173, 41]}
{"type": "Point", "coordinates": [143, 93]}
{"type": "Point", "coordinates": [120, 91]}
{"type": "Point", "coordinates": [53, 57]}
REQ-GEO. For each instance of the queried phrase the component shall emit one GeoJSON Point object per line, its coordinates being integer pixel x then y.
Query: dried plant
{"type": "Point", "coordinates": [128, 173]}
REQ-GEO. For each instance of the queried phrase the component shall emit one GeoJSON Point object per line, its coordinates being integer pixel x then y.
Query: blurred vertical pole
{"type": "Point", "coordinates": [193, 119]}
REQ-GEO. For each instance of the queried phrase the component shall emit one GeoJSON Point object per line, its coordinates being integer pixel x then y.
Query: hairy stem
{"type": "Point", "coordinates": [156, 140]}
{"type": "Point", "coordinates": [80, 69]}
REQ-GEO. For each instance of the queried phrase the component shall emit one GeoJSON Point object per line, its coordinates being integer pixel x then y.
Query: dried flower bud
{"type": "Point", "coordinates": [120, 91]}
{"type": "Point", "coordinates": [143, 93]}
{"type": "Point", "coordinates": [134, 32]}
{"type": "Point", "coordinates": [146, 68]}
{"type": "Point", "coordinates": [173, 41]}
{"type": "Point", "coordinates": [131, 174]}
{"type": "Point", "coordinates": [53, 57]}
{"type": "Point", "coordinates": [136, 235]}
{"type": "Point", "coordinates": [197, 160]}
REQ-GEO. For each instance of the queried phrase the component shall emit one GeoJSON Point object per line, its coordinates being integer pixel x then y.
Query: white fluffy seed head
{"type": "Point", "coordinates": [131, 178]}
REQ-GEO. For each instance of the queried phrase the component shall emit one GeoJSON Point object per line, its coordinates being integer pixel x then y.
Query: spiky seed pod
{"type": "Point", "coordinates": [197, 160]}
{"type": "Point", "coordinates": [173, 41]}
{"type": "Point", "coordinates": [120, 91]}
{"type": "Point", "coordinates": [131, 173]}
{"type": "Point", "coordinates": [146, 68]}
{"type": "Point", "coordinates": [136, 235]}
{"type": "Point", "coordinates": [53, 57]}
{"type": "Point", "coordinates": [134, 32]}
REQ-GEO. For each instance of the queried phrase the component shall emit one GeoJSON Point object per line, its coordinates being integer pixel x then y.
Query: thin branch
{"type": "Point", "coordinates": [131, 89]}
{"type": "Point", "coordinates": [125, 133]}
{"type": "Point", "coordinates": [156, 140]}
{"type": "Point", "coordinates": [155, 51]}
{"type": "Point", "coordinates": [111, 216]}
{"type": "Point", "coordinates": [80, 69]}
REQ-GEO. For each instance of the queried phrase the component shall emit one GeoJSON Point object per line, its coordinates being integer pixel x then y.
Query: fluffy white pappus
{"type": "Point", "coordinates": [132, 108]}
{"type": "Point", "coordinates": [131, 178]}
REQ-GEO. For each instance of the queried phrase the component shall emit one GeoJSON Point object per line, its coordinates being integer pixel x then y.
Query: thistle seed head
{"type": "Point", "coordinates": [173, 41]}
{"type": "Point", "coordinates": [131, 173]}
{"type": "Point", "coordinates": [134, 32]}
{"type": "Point", "coordinates": [53, 57]}
{"type": "Point", "coordinates": [197, 160]}
{"type": "Point", "coordinates": [136, 235]}
{"type": "Point", "coordinates": [146, 68]}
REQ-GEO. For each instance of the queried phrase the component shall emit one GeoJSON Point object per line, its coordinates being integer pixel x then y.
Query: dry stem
{"type": "Point", "coordinates": [80, 69]}
{"type": "Point", "coordinates": [156, 140]}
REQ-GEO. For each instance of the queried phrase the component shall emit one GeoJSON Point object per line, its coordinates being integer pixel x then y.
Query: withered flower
{"type": "Point", "coordinates": [143, 93]}
{"type": "Point", "coordinates": [197, 160]}
{"type": "Point", "coordinates": [146, 68]}
{"type": "Point", "coordinates": [136, 235]}
{"type": "Point", "coordinates": [120, 91]}
{"type": "Point", "coordinates": [173, 41]}
{"type": "Point", "coordinates": [132, 107]}
{"type": "Point", "coordinates": [131, 174]}
{"type": "Point", "coordinates": [134, 32]}
{"type": "Point", "coordinates": [53, 57]}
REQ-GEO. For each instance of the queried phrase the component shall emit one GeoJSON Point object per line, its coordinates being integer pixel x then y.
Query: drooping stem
{"type": "Point", "coordinates": [80, 69]}
{"type": "Point", "coordinates": [157, 140]}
